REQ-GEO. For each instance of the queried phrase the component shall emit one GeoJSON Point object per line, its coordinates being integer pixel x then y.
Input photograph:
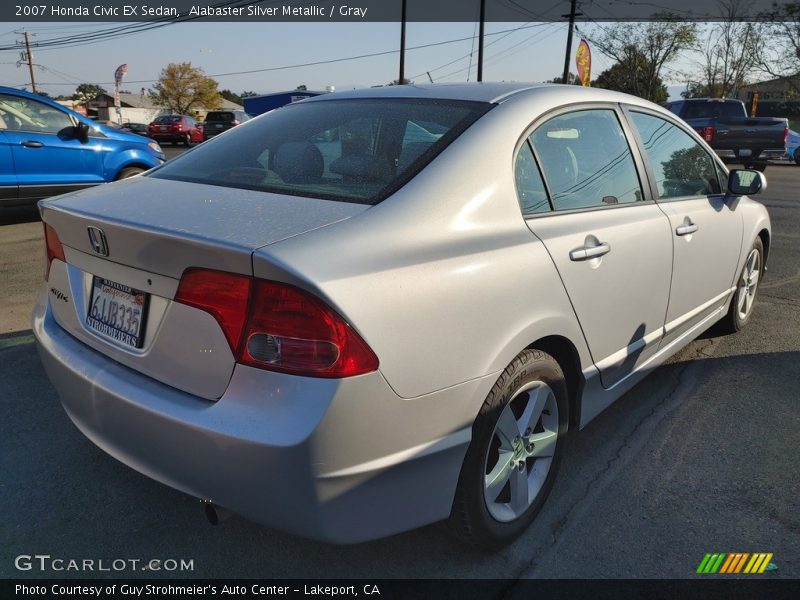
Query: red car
{"type": "Point", "coordinates": [176, 129]}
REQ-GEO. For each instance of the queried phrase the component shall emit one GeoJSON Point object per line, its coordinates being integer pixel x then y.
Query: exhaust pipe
{"type": "Point", "coordinates": [215, 514]}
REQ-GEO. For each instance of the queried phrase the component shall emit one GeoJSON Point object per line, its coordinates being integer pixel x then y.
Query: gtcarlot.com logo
{"type": "Point", "coordinates": [46, 562]}
{"type": "Point", "coordinates": [729, 563]}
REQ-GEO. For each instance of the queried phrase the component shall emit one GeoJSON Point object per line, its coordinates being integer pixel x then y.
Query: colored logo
{"type": "Point", "coordinates": [736, 562]}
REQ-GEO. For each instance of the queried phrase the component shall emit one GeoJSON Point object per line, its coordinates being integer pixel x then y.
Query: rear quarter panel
{"type": "Point", "coordinates": [443, 280]}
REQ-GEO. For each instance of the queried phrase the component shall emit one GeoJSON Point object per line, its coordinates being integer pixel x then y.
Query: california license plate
{"type": "Point", "coordinates": [117, 311]}
{"type": "Point", "coordinates": [745, 152]}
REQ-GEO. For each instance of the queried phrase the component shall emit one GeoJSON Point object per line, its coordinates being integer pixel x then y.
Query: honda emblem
{"type": "Point", "coordinates": [98, 241]}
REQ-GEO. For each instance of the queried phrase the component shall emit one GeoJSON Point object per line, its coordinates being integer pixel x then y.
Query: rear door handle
{"type": "Point", "coordinates": [32, 144]}
{"type": "Point", "coordinates": [686, 228]}
{"type": "Point", "coordinates": [588, 252]}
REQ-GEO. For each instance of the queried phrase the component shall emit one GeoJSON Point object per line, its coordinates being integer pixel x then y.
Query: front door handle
{"type": "Point", "coordinates": [588, 252]}
{"type": "Point", "coordinates": [686, 228]}
{"type": "Point", "coordinates": [32, 144]}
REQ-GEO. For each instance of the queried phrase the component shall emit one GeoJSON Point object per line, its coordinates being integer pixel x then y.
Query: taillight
{"type": "Point", "coordinates": [785, 135]}
{"type": "Point", "coordinates": [223, 295]}
{"type": "Point", "coordinates": [234, 122]}
{"type": "Point", "coordinates": [53, 249]}
{"type": "Point", "coordinates": [276, 326]}
{"type": "Point", "coordinates": [708, 133]}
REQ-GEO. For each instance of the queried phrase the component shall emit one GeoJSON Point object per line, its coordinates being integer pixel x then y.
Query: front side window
{"type": "Point", "coordinates": [586, 160]}
{"type": "Point", "coordinates": [25, 114]}
{"type": "Point", "coordinates": [681, 166]}
{"type": "Point", "coordinates": [352, 150]}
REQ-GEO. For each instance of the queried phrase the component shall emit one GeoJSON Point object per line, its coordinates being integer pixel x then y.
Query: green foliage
{"type": "Point", "coordinates": [572, 79]}
{"type": "Point", "coordinates": [642, 50]}
{"type": "Point", "coordinates": [232, 97]}
{"type": "Point", "coordinates": [633, 75]}
{"type": "Point", "coordinates": [86, 92]}
{"type": "Point", "coordinates": [182, 88]}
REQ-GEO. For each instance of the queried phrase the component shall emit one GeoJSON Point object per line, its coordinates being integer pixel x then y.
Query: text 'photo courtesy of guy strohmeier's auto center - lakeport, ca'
{"type": "Point", "coordinates": [400, 299]}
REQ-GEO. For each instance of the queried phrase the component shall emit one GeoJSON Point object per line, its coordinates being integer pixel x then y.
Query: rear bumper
{"type": "Point", "coordinates": [336, 460]}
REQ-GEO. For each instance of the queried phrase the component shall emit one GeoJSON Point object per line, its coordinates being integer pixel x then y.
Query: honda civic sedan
{"type": "Point", "coordinates": [374, 310]}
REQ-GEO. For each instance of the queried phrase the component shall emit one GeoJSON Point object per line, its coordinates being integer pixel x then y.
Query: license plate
{"type": "Point", "coordinates": [163, 127]}
{"type": "Point", "coordinates": [745, 152]}
{"type": "Point", "coordinates": [218, 125]}
{"type": "Point", "coordinates": [117, 311]}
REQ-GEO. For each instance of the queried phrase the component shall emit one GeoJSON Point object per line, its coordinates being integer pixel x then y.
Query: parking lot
{"type": "Point", "coordinates": [699, 457]}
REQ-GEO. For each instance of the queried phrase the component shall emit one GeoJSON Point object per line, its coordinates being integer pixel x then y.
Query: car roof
{"type": "Point", "coordinates": [492, 92]}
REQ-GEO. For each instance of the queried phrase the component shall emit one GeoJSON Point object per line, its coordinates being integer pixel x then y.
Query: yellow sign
{"type": "Point", "coordinates": [583, 60]}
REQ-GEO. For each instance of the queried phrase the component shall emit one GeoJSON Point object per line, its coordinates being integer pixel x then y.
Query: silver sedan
{"type": "Point", "coordinates": [373, 310]}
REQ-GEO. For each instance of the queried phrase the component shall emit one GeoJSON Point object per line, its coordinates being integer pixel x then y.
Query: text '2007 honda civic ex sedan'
{"type": "Point", "coordinates": [373, 310]}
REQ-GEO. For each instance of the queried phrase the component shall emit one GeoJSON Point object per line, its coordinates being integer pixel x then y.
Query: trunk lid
{"type": "Point", "coordinates": [164, 226]}
{"type": "Point", "coordinates": [154, 229]}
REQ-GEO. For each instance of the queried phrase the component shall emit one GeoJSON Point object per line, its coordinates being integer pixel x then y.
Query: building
{"type": "Point", "coordinates": [134, 108]}
{"type": "Point", "coordinates": [257, 105]}
{"type": "Point", "coordinates": [775, 90]}
{"type": "Point", "coordinates": [776, 98]}
{"type": "Point", "coordinates": [140, 108]}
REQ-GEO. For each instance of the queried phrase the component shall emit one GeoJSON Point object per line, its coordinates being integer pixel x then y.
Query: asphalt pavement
{"type": "Point", "coordinates": [699, 457]}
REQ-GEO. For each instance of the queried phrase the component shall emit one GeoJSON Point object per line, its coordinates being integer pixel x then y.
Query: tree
{"type": "Point", "coordinates": [572, 79]}
{"type": "Point", "coordinates": [781, 57]}
{"type": "Point", "coordinates": [633, 75]}
{"type": "Point", "coordinates": [229, 95]}
{"type": "Point", "coordinates": [729, 53]}
{"type": "Point", "coordinates": [645, 49]}
{"type": "Point", "coordinates": [398, 82]}
{"type": "Point", "coordinates": [247, 94]}
{"type": "Point", "coordinates": [182, 88]}
{"type": "Point", "coordinates": [86, 92]}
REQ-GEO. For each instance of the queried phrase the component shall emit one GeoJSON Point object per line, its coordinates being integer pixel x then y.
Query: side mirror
{"type": "Point", "coordinates": [82, 132]}
{"type": "Point", "coordinates": [745, 182]}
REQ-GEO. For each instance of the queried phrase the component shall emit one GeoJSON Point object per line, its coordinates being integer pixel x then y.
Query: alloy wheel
{"type": "Point", "coordinates": [521, 451]}
{"type": "Point", "coordinates": [748, 283]}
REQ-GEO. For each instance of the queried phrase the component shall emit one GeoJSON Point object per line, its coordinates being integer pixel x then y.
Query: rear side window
{"type": "Point", "coordinates": [530, 187]}
{"type": "Point", "coordinates": [351, 150]}
{"type": "Point", "coordinates": [586, 160]}
{"type": "Point", "coordinates": [711, 109]}
{"type": "Point", "coordinates": [680, 164]}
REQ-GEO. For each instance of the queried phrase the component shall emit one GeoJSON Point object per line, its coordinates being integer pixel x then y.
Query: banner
{"type": "Point", "coordinates": [121, 71]}
{"type": "Point", "coordinates": [583, 60]}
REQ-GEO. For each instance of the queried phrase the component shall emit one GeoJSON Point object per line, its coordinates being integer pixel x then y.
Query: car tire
{"type": "Point", "coordinates": [797, 156]}
{"type": "Point", "coordinates": [129, 172]}
{"type": "Point", "coordinates": [187, 141]}
{"type": "Point", "coordinates": [760, 167]}
{"type": "Point", "coordinates": [741, 307]}
{"type": "Point", "coordinates": [505, 477]}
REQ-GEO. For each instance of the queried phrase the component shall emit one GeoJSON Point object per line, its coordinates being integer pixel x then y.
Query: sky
{"type": "Point", "coordinates": [513, 51]}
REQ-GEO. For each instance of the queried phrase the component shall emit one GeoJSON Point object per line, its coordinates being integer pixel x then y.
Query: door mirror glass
{"type": "Point", "coordinates": [746, 182]}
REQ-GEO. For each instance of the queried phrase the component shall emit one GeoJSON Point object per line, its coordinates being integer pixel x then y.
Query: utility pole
{"type": "Point", "coordinates": [480, 40]}
{"type": "Point", "coordinates": [572, 14]}
{"type": "Point", "coordinates": [30, 62]}
{"type": "Point", "coordinates": [402, 77]}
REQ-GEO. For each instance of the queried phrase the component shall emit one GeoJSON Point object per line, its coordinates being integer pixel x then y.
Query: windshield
{"type": "Point", "coordinates": [352, 150]}
{"type": "Point", "coordinates": [219, 116]}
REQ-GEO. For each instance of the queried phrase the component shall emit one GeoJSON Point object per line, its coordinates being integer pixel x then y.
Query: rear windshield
{"type": "Point", "coordinates": [707, 110]}
{"type": "Point", "coordinates": [220, 116]}
{"type": "Point", "coordinates": [168, 119]}
{"type": "Point", "coordinates": [353, 150]}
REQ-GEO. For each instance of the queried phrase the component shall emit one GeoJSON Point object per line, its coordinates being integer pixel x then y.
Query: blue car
{"type": "Point", "coordinates": [793, 146]}
{"type": "Point", "coordinates": [47, 149]}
